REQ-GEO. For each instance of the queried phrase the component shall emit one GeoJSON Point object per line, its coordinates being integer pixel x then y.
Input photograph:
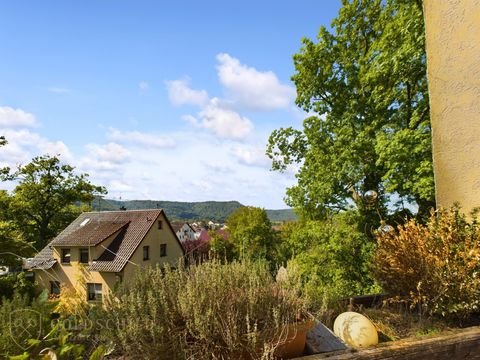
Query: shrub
{"type": "Point", "coordinates": [210, 310]}
{"type": "Point", "coordinates": [9, 284]}
{"type": "Point", "coordinates": [435, 266]}
{"type": "Point", "coordinates": [22, 320]}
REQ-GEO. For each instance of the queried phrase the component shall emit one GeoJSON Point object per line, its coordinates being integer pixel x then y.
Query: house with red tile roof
{"type": "Point", "coordinates": [100, 249]}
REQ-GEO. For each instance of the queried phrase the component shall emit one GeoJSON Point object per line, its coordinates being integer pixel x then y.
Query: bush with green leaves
{"type": "Point", "coordinates": [205, 311]}
{"type": "Point", "coordinates": [330, 258]}
{"type": "Point", "coordinates": [28, 331]}
{"type": "Point", "coordinates": [16, 283]}
{"type": "Point", "coordinates": [433, 267]}
{"type": "Point", "coordinates": [22, 320]}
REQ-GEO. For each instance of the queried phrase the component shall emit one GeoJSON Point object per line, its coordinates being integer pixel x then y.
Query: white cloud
{"type": "Point", "coordinates": [140, 138]}
{"type": "Point", "coordinates": [218, 168]}
{"type": "Point", "coordinates": [59, 90]}
{"type": "Point", "coordinates": [252, 156]}
{"type": "Point", "coordinates": [24, 144]}
{"type": "Point", "coordinates": [202, 185]}
{"type": "Point", "coordinates": [251, 88]}
{"type": "Point", "coordinates": [180, 93]}
{"type": "Point", "coordinates": [111, 152]}
{"type": "Point", "coordinates": [16, 118]}
{"type": "Point", "coordinates": [192, 120]}
{"type": "Point", "coordinates": [224, 122]}
{"type": "Point", "coordinates": [143, 85]}
{"type": "Point", "coordinates": [119, 186]}
{"type": "Point", "coordinates": [54, 148]}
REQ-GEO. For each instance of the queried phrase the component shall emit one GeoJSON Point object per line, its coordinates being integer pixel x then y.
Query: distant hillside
{"type": "Point", "coordinates": [281, 215]}
{"type": "Point", "coordinates": [189, 211]}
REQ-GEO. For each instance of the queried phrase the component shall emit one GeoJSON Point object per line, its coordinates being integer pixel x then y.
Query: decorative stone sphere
{"type": "Point", "coordinates": [355, 330]}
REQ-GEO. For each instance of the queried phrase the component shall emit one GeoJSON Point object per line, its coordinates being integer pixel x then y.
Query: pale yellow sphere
{"type": "Point", "coordinates": [355, 329]}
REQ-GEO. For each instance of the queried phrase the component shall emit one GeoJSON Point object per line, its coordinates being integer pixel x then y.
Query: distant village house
{"type": "Point", "coordinates": [184, 231]}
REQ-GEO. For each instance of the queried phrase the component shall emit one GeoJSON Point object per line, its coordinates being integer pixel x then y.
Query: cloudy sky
{"type": "Point", "coordinates": [161, 100]}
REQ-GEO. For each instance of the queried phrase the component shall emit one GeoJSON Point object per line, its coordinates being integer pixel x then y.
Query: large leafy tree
{"type": "Point", "coordinates": [370, 136]}
{"type": "Point", "coordinates": [251, 233]}
{"type": "Point", "coordinates": [48, 196]}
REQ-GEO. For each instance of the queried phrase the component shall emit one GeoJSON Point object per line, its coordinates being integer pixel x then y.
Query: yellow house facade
{"type": "Point", "coordinates": [99, 250]}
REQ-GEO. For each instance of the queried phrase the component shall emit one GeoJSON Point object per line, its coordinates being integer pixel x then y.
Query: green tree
{"type": "Point", "coordinates": [331, 257]}
{"type": "Point", "coordinates": [12, 245]}
{"type": "Point", "coordinates": [220, 247]}
{"type": "Point", "coordinates": [48, 196]}
{"type": "Point", "coordinates": [370, 137]}
{"type": "Point", "coordinates": [251, 233]}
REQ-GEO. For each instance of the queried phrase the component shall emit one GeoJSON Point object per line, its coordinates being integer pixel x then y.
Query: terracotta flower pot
{"type": "Point", "coordinates": [292, 343]}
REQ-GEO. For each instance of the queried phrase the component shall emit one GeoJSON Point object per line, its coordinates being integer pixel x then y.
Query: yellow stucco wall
{"type": "Point", "coordinates": [153, 239]}
{"type": "Point", "coordinates": [453, 59]}
{"type": "Point", "coordinates": [74, 275]}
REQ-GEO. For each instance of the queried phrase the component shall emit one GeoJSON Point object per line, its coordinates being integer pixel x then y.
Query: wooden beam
{"type": "Point", "coordinates": [458, 344]}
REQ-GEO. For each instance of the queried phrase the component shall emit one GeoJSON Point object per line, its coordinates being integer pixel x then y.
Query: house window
{"type": "Point", "coordinates": [160, 224]}
{"type": "Point", "coordinates": [163, 250]}
{"type": "Point", "coordinates": [84, 256]}
{"type": "Point", "coordinates": [146, 250]}
{"type": "Point", "coordinates": [54, 288]}
{"type": "Point", "coordinates": [94, 292]}
{"type": "Point", "coordinates": [66, 256]}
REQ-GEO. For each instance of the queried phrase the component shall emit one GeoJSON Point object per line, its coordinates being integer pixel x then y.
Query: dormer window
{"type": "Point", "coordinates": [66, 256]}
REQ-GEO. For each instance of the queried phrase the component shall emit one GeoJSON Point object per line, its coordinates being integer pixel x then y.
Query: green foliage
{"type": "Point", "coordinates": [211, 310]}
{"type": "Point", "coordinates": [22, 323]}
{"type": "Point", "coordinates": [221, 248]}
{"type": "Point", "coordinates": [435, 266]}
{"type": "Point", "coordinates": [16, 283]}
{"type": "Point", "coordinates": [27, 331]}
{"type": "Point", "coordinates": [371, 137]}
{"type": "Point", "coordinates": [251, 233]}
{"type": "Point", "coordinates": [46, 198]}
{"type": "Point", "coordinates": [330, 258]}
{"type": "Point", "coordinates": [12, 245]}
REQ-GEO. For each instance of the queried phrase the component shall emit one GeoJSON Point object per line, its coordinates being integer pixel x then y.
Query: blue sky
{"type": "Point", "coordinates": [161, 100]}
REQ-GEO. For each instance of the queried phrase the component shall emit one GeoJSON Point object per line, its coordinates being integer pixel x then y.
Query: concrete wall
{"type": "Point", "coordinates": [453, 59]}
